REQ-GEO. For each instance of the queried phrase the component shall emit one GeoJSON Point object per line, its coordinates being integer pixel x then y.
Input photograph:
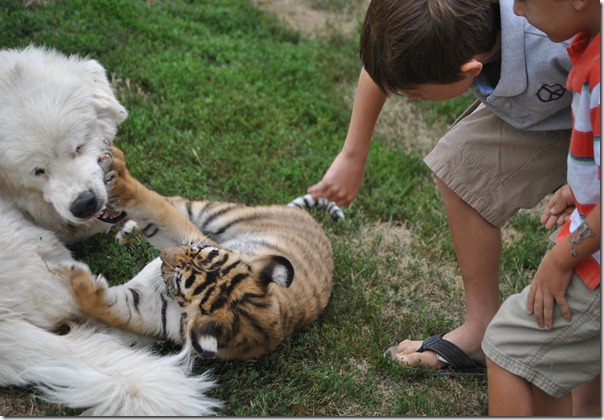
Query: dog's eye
{"type": "Point", "coordinates": [78, 149]}
{"type": "Point", "coordinates": [39, 171]}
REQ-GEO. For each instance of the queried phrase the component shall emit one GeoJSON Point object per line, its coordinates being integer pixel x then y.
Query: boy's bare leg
{"type": "Point", "coordinates": [587, 399]}
{"type": "Point", "coordinates": [546, 405]}
{"type": "Point", "coordinates": [503, 388]}
{"type": "Point", "coordinates": [478, 249]}
{"type": "Point", "coordinates": [511, 395]}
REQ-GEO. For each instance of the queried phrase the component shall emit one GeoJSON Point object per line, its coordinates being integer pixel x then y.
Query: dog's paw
{"type": "Point", "coordinates": [67, 269]}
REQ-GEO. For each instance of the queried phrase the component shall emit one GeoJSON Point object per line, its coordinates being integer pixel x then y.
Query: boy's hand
{"type": "Point", "coordinates": [548, 289]}
{"type": "Point", "coordinates": [342, 181]}
{"type": "Point", "coordinates": [559, 208]}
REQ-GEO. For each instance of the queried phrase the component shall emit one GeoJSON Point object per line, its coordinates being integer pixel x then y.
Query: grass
{"type": "Point", "coordinates": [227, 104]}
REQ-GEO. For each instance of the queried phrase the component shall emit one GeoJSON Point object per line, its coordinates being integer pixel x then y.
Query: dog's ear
{"type": "Point", "coordinates": [109, 111]}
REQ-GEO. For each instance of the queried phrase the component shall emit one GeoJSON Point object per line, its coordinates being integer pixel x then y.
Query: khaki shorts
{"type": "Point", "coordinates": [556, 361]}
{"type": "Point", "coordinates": [496, 168]}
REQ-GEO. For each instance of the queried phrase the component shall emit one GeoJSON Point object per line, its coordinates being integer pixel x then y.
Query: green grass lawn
{"type": "Point", "coordinates": [227, 104]}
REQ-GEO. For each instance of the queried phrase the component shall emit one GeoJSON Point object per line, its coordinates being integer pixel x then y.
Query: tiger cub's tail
{"type": "Point", "coordinates": [307, 201]}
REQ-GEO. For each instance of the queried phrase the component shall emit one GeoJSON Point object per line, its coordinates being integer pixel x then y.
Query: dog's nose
{"type": "Point", "coordinates": [85, 205]}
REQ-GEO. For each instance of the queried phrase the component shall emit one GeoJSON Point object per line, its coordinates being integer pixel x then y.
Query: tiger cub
{"type": "Point", "coordinates": [246, 279]}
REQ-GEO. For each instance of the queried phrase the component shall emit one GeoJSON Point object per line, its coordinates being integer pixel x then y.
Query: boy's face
{"type": "Point", "coordinates": [553, 17]}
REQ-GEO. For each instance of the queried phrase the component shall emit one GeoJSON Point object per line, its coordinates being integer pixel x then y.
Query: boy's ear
{"type": "Point", "coordinates": [472, 68]}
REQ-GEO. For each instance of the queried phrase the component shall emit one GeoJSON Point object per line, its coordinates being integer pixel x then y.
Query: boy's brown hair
{"type": "Point", "coordinates": [405, 43]}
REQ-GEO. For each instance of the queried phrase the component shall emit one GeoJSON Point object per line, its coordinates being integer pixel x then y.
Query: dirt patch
{"type": "Point", "coordinates": [314, 18]}
{"type": "Point", "coordinates": [409, 273]}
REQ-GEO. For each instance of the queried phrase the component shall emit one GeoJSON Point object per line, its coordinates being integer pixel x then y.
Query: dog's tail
{"type": "Point", "coordinates": [91, 369]}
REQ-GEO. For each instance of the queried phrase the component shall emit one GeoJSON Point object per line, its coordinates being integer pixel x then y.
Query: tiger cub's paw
{"type": "Point", "coordinates": [88, 290]}
{"type": "Point", "coordinates": [128, 233]}
{"type": "Point", "coordinates": [118, 181]}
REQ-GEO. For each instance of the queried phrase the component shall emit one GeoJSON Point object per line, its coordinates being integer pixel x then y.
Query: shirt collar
{"type": "Point", "coordinates": [513, 80]}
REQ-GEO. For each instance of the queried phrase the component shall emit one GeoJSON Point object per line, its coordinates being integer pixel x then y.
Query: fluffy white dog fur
{"type": "Point", "coordinates": [58, 118]}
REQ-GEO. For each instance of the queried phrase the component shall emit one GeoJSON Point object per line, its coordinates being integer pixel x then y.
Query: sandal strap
{"type": "Point", "coordinates": [448, 351]}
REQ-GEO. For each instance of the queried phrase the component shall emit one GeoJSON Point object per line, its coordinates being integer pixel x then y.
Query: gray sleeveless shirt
{"type": "Point", "coordinates": [527, 88]}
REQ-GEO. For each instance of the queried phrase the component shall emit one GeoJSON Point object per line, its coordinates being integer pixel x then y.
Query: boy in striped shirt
{"type": "Point", "coordinates": [545, 341]}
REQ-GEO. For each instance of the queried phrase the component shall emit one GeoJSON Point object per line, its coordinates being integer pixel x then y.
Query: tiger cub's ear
{"type": "Point", "coordinates": [275, 269]}
{"type": "Point", "coordinates": [204, 333]}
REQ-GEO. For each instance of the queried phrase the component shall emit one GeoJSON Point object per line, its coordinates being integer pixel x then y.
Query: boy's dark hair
{"type": "Point", "coordinates": [405, 43]}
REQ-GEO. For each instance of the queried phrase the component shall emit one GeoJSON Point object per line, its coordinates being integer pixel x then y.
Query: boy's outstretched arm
{"type": "Point", "coordinates": [342, 181]}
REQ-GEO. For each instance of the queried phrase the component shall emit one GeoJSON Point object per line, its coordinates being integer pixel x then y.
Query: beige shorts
{"type": "Point", "coordinates": [496, 168]}
{"type": "Point", "coordinates": [556, 361]}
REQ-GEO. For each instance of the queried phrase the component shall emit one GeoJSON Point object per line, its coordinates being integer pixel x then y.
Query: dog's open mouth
{"type": "Point", "coordinates": [109, 215]}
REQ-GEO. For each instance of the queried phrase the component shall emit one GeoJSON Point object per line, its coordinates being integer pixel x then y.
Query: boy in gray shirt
{"type": "Point", "coordinates": [507, 152]}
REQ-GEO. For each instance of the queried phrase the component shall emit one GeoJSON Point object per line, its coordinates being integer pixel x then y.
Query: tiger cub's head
{"type": "Point", "coordinates": [220, 292]}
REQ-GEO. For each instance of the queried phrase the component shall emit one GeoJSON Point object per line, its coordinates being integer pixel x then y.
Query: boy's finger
{"type": "Point", "coordinates": [316, 190]}
{"type": "Point", "coordinates": [564, 308]}
{"type": "Point", "coordinates": [551, 222]}
{"type": "Point", "coordinates": [545, 217]}
{"type": "Point", "coordinates": [538, 309]}
{"type": "Point", "coordinates": [530, 302]}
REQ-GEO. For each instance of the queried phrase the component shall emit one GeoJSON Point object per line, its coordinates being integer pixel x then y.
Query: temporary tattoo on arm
{"type": "Point", "coordinates": [583, 232]}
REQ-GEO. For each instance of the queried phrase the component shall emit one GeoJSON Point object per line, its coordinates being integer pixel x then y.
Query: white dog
{"type": "Point", "coordinates": [58, 119]}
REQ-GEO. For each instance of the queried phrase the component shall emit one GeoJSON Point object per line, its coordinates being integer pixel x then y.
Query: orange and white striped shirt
{"type": "Point", "coordinates": [584, 155]}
